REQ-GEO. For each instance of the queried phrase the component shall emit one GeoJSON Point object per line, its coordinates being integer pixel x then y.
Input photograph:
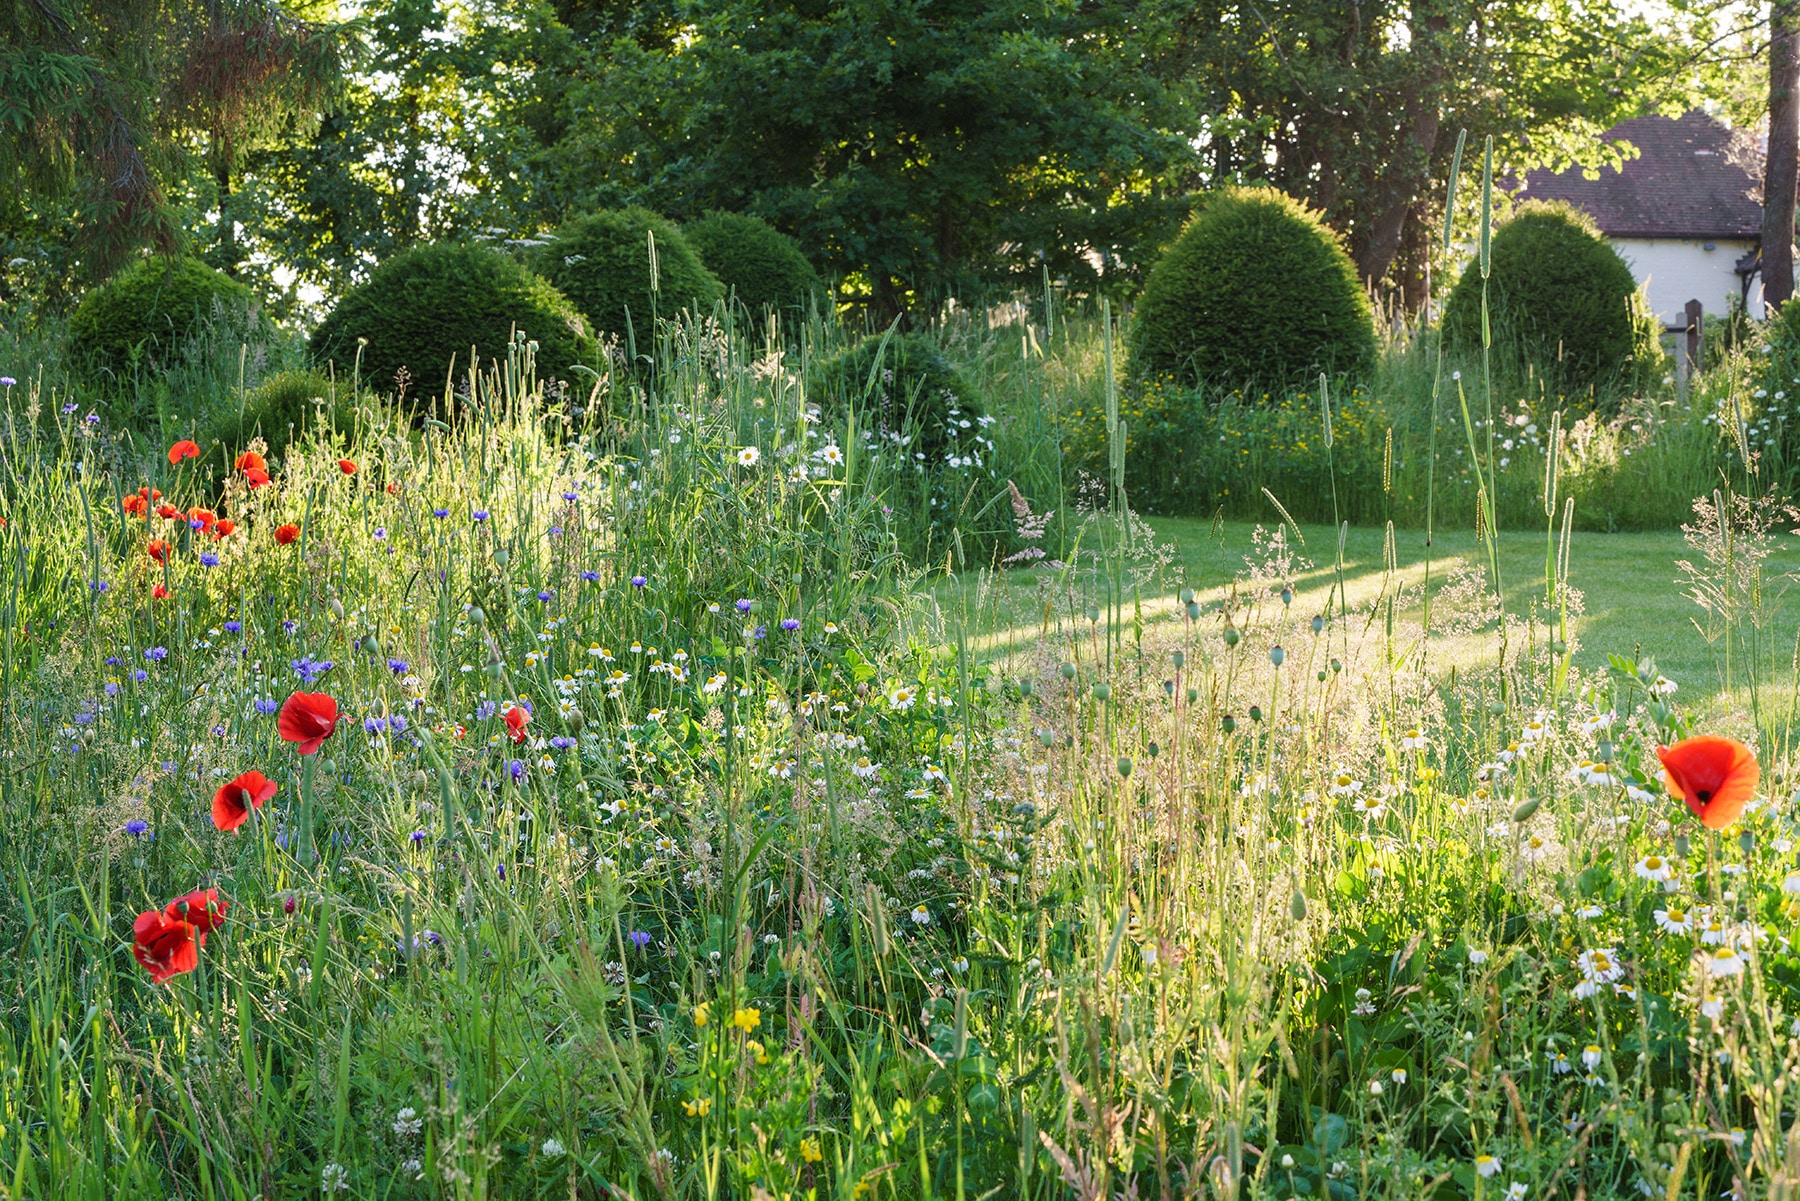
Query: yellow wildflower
{"type": "Point", "coordinates": [809, 1150]}
{"type": "Point", "coordinates": [747, 1019]}
{"type": "Point", "coordinates": [700, 1012]}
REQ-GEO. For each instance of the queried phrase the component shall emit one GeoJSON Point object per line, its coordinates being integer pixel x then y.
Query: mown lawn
{"type": "Point", "coordinates": [1634, 597]}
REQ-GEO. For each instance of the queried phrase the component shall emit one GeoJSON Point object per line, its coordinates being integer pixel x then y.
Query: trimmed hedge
{"type": "Point", "coordinates": [1562, 296]}
{"type": "Point", "coordinates": [754, 261]}
{"type": "Point", "coordinates": [601, 262]}
{"type": "Point", "coordinates": [280, 409]}
{"type": "Point", "coordinates": [425, 307]}
{"type": "Point", "coordinates": [1255, 291]}
{"type": "Point", "coordinates": [905, 386]}
{"type": "Point", "coordinates": [151, 308]}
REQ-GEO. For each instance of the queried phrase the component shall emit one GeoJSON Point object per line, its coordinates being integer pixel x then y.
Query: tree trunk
{"type": "Point", "coordinates": [1783, 160]}
{"type": "Point", "coordinates": [1408, 173]}
{"type": "Point", "coordinates": [228, 247]}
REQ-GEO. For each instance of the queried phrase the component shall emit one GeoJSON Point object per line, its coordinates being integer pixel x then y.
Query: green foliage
{"type": "Point", "coordinates": [426, 307]}
{"type": "Point", "coordinates": [1562, 296]}
{"type": "Point", "coordinates": [1255, 290]}
{"type": "Point", "coordinates": [902, 144]}
{"type": "Point", "coordinates": [147, 312]}
{"type": "Point", "coordinates": [756, 262]}
{"type": "Point", "coordinates": [601, 262]}
{"type": "Point", "coordinates": [904, 392]}
{"type": "Point", "coordinates": [279, 410]}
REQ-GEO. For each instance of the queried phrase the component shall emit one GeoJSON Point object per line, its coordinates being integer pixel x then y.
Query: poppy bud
{"type": "Point", "coordinates": [1336, 666]}
{"type": "Point", "coordinates": [1068, 671]}
{"type": "Point", "coordinates": [1228, 723]}
{"type": "Point", "coordinates": [1297, 905]}
{"type": "Point", "coordinates": [1047, 737]}
{"type": "Point", "coordinates": [1102, 692]}
{"type": "Point", "coordinates": [1193, 695]}
{"type": "Point", "coordinates": [476, 616]}
{"type": "Point", "coordinates": [1187, 596]}
{"type": "Point", "coordinates": [1024, 687]}
{"type": "Point", "coordinates": [1681, 846]}
{"type": "Point", "coordinates": [1287, 596]}
{"type": "Point", "coordinates": [502, 556]}
{"type": "Point", "coordinates": [1746, 842]}
{"type": "Point", "coordinates": [1179, 658]}
{"type": "Point", "coordinates": [337, 608]}
{"type": "Point", "coordinates": [575, 721]}
{"type": "Point", "coordinates": [372, 644]}
{"type": "Point", "coordinates": [1154, 750]}
{"type": "Point", "coordinates": [1124, 766]}
{"type": "Point", "coordinates": [329, 767]}
{"type": "Point", "coordinates": [1193, 610]}
{"type": "Point", "coordinates": [1525, 810]}
{"type": "Point", "coordinates": [1321, 675]}
{"type": "Point", "coordinates": [1276, 655]}
{"type": "Point", "coordinates": [1255, 712]}
{"type": "Point", "coordinates": [1093, 613]}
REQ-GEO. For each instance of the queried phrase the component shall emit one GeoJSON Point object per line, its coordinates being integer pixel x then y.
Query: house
{"type": "Point", "coordinates": [1686, 213]}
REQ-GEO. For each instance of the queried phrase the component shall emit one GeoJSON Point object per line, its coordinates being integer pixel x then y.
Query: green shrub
{"type": "Point", "coordinates": [148, 312]}
{"type": "Point", "coordinates": [601, 262]}
{"type": "Point", "coordinates": [756, 262]}
{"type": "Point", "coordinates": [280, 409]}
{"type": "Point", "coordinates": [1561, 296]}
{"type": "Point", "coordinates": [1256, 290]}
{"type": "Point", "coordinates": [424, 308]}
{"type": "Point", "coordinates": [903, 389]}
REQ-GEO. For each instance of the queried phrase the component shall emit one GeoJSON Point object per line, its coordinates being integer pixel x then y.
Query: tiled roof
{"type": "Point", "coordinates": [1692, 178]}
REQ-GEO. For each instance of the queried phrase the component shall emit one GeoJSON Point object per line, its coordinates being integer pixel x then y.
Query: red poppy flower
{"type": "Point", "coordinates": [257, 477]}
{"type": "Point", "coordinates": [137, 506]}
{"type": "Point", "coordinates": [234, 800]}
{"type": "Point", "coordinates": [164, 945]}
{"type": "Point", "coordinates": [394, 488]}
{"type": "Point", "coordinates": [308, 718]}
{"type": "Point", "coordinates": [516, 721]}
{"type": "Point", "coordinates": [225, 528]}
{"type": "Point", "coordinates": [167, 512]}
{"type": "Point", "coordinates": [157, 550]}
{"type": "Point", "coordinates": [203, 909]}
{"type": "Point", "coordinates": [1715, 776]}
{"type": "Point", "coordinates": [346, 466]}
{"type": "Point", "coordinates": [184, 449]}
{"type": "Point", "coordinates": [285, 534]}
{"type": "Point", "coordinates": [149, 493]}
{"type": "Point", "coordinates": [160, 592]}
{"type": "Point", "coordinates": [206, 517]}
{"type": "Point", "coordinates": [251, 461]}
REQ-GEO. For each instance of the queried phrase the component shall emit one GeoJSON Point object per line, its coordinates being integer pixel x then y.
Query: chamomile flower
{"type": "Point", "coordinates": [748, 456]}
{"type": "Point", "coordinates": [1654, 868]}
{"type": "Point", "coordinates": [1673, 921]}
{"type": "Point", "coordinates": [1724, 961]}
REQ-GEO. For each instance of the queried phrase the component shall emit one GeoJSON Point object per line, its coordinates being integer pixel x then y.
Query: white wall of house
{"type": "Point", "coordinates": [1675, 271]}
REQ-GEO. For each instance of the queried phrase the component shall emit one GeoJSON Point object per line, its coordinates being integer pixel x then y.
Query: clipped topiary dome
{"type": "Point", "coordinates": [756, 262]}
{"type": "Point", "coordinates": [1562, 294]}
{"type": "Point", "coordinates": [601, 262]}
{"type": "Point", "coordinates": [149, 308]}
{"type": "Point", "coordinates": [901, 386]}
{"type": "Point", "coordinates": [425, 307]}
{"type": "Point", "coordinates": [1256, 290]}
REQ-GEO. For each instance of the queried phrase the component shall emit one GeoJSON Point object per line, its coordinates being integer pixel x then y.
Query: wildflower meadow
{"type": "Point", "coordinates": [532, 802]}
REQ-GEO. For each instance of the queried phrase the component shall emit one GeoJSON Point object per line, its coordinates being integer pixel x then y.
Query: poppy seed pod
{"type": "Point", "coordinates": [1124, 766]}
{"type": "Point", "coordinates": [502, 556]}
{"type": "Point", "coordinates": [1102, 692]}
{"type": "Point", "coordinates": [1193, 611]}
{"type": "Point", "coordinates": [476, 616]}
{"type": "Point", "coordinates": [1024, 687]}
{"type": "Point", "coordinates": [1525, 809]}
{"type": "Point", "coordinates": [1187, 596]}
{"type": "Point", "coordinates": [1746, 841]}
{"type": "Point", "coordinates": [337, 608]}
{"type": "Point", "coordinates": [1153, 750]}
{"type": "Point", "coordinates": [1228, 723]}
{"type": "Point", "coordinates": [1232, 637]}
{"type": "Point", "coordinates": [1179, 658]}
{"type": "Point", "coordinates": [1336, 665]}
{"type": "Point", "coordinates": [1193, 695]}
{"type": "Point", "coordinates": [1276, 655]}
{"type": "Point", "coordinates": [1287, 596]}
{"type": "Point", "coordinates": [1318, 623]}
{"type": "Point", "coordinates": [1681, 846]}
{"type": "Point", "coordinates": [1047, 737]}
{"type": "Point", "coordinates": [1255, 712]}
{"type": "Point", "coordinates": [1068, 671]}
{"type": "Point", "coordinates": [1496, 708]}
{"type": "Point", "coordinates": [1093, 613]}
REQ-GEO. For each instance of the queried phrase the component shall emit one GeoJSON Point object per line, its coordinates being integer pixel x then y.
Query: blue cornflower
{"type": "Point", "coordinates": [485, 710]}
{"type": "Point", "coordinates": [590, 576]}
{"type": "Point", "coordinates": [7, 381]}
{"type": "Point", "coordinates": [289, 626]}
{"type": "Point", "coordinates": [638, 581]}
{"type": "Point", "coordinates": [140, 675]}
{"type": "Point", "coordinates": [374, 725]}
{"type": "Point", "coordinates": [137, 828]}
{"type": "Point", "coordinates": [515, 768]}
{"type": "Point", "coordinates": [440, 513]}
{"type": "Point", "coordinates": [112, 688]}
{"type": "Point", "coordinates": [481, 514]}
{"type": "Point", "coordinates": [156, 654]}
{"type": "Point", "coordinates": [545, 594]}
{"type": "Point", "coordinates": [569, 496]}
{"type": "Point", "coordinates": [562, 742]}
{"type": "Point", "coordinates": [418, 838]}
{"type": "Point", "coordinates": [70, 408]}
{"type": "Point", "coordinates": [762, 632]}
{"type": "Point", "coordinates": [743, 604]}
{"type": "Point", "coordinates": [99, 585]}
{"type": "Point", "coordinates": [112, 660]}
{"type": "Point", "coordinates": [790, 623]}
{"type": "Point", "coordinates": [380, 534]}
{"type": "Point", "coordinates": [266, 706]}
{"type": "Point", "coordinates": [234, 627]}
{"type": "Point", "coordinates": [640, 939]}
{"type": "Point", "coordinates": [208, 559]}
{"type": "Point", "coordinates": [397, 666]}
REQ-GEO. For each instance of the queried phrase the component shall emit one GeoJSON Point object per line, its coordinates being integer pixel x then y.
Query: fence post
{"type": "Point", "coordinates": [1696, 330]}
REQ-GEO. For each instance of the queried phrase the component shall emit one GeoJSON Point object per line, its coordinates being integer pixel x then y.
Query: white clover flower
{"type": "Point", "coordinates": [407, 1122]}
{"type": "Point", "coordinates": [334, 1178]}
{"type": "Point", "coordinates": [553, 1148]}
